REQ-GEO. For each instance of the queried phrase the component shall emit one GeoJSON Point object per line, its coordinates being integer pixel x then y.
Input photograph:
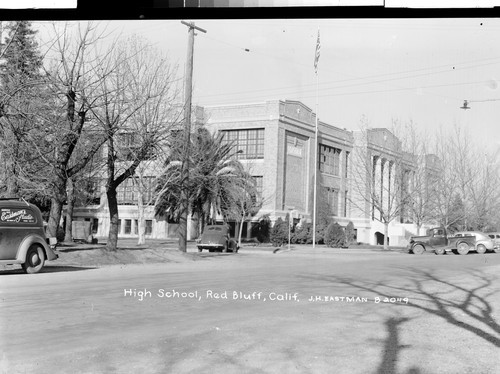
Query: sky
{"type": "Point", "coordinates": [382, 70]}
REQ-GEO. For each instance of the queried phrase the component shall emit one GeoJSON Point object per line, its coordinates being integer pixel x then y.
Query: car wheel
{"type": "Point", "coordinates": [463, 248]}
{"type": "Point", "coordinates": [496, 249]}
{"type": "Point", "coordinates": [200, 249]}
{"type": "Point", "coordinates": [439, 251]}
{"type": "Point", "coordinates": [481, 249]}
{"type": "Point", "coordinates": [35, 259]}
{"type": "Point", "coordinates": [418, 249]}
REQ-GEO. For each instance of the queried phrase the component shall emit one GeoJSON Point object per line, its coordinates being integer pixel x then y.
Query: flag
{"type": "Point", "coordinates": [316, 57]}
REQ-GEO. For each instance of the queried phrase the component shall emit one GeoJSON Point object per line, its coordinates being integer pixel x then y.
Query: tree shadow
{"type": "Point", "coordinates": [392, 348]}
{"type": "Point", "coordinates": [461, 306]}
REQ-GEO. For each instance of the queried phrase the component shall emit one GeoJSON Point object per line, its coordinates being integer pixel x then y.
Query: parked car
{"type": "Point", "coordinates": [437, 240]}
{"type": "Point", "coordinates": [22, 236]}
{"type": "Point", "coordinates": [483, 242]}
{"type": "Point", "coordinates": [216, 238]}
{"type": "Point", "coordinates": [495, 236]}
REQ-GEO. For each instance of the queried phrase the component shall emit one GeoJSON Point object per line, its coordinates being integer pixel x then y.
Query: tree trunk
{"type": "Point", "coordinates": [240, 230]}
{"type": "Point", "coordinates": [419, 226]}
{"type": "Point", "coordinates": [68, 236]}
{"type": "Point", "coordinates": [386, 235]}
{"type": "Point", "coordinates": [12, 186]}
{"type": "Point", "coordinates": [112, 243]}
{"type": "Point", "coordinates": [141, 218]}
{"type": "Point", "coordinates": [11, 167]}
{"type": "Point", "coordinates": [54, 217]}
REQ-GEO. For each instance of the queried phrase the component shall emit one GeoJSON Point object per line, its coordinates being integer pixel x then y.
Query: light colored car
{"type": "Point", "coordinates": [216, 238]}
{"type": "Point", "coordinates": [483, 241]}
{"type": "Point", "coordinates": [495, 236]}
{"type": "Point", "coordinates": [22, 236]}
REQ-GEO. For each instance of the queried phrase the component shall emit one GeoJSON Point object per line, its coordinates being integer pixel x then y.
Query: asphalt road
{"type": "Point", "coordinates": [258, 312]}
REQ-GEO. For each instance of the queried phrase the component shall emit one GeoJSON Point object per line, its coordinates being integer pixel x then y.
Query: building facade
{"type": "Point", "coordinates": [362, 175]}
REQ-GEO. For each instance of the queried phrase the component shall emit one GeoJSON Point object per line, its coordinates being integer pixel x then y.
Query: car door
{"type": "Point", "coordinates": [15, 225]}
{"type": "Point", "coordinates": [438, 238]}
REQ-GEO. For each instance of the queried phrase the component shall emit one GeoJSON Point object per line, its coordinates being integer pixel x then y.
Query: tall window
{"type": "Point", "coordinates": [258, 186]}
{"type": "Point", "coordinates": [346, 164]}
{"type": "Point", "coordinates": [125, 192]}
{"type": "Point", "coordinates": [346, 200]}
{"type": "Point", "coordinates": [127, 195]}
{"type": "Point", "coordinates": [149, 227]}
{"type": "Point", "coordinates": [128, 226]}
{"type": "Point", "coordinates": [329, 160]}
{"type": "Point", "coordinates": [333, 200]}
{"type": "Point", "coordinates": [248, 142]}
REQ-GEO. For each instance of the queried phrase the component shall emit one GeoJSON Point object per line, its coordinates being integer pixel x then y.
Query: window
{"type": "Point", "coordinates": [125, 192]}
{"type": "Point", "coordinates": [93, 194]}
{"type": "Point", "coordinates": [149, 227]}
{"type": "Point", "coordinates": [333, 200]}
{"type": "Point", "coordinates": [346, 165]}
{"type": "Point", "coordinates": [128, 226]}
{"type": "Point", "coordinates": [346, 200]}
{"type": "Point", "coordinates": [148, 186]}
{"type": "Point", "coordinates": [258, 186]}
{"type": "Point", "coordinates": [119, 226]}
{"type": "Point", "coordinates": [95, 225]}
{"type": "Point", "coordinates": [248, 142]}
{"type": "Point", "coordinates": [329, 160]}
{"type": "Point", "coordinates": [136, 227]}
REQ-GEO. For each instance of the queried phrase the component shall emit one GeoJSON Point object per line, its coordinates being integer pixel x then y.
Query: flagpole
{"type": "Point", "coordinates": [315, 165]}
{"type": "Point", "coordinates": [315, 188]}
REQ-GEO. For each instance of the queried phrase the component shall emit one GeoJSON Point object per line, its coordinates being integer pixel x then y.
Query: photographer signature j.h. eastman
{"type": "Point", "coordinates": [197, 295]}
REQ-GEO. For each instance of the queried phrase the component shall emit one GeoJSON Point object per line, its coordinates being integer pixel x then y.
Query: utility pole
{"type": "Point", "coordinates": [184, 198]}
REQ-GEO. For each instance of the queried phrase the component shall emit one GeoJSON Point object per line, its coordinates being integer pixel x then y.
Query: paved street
{"type": "Point", "coordinates": [303, 311]}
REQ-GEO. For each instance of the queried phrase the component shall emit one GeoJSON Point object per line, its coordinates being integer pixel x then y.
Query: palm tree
{"type": "Point", "coordinates": [215, 177]}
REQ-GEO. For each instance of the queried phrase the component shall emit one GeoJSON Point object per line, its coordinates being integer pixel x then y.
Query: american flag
{"type": "Point", "coordinates": [316, 57]}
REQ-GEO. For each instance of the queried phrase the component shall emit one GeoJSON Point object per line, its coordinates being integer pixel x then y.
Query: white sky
{"type": "Point", "coordinates": [382, 69]}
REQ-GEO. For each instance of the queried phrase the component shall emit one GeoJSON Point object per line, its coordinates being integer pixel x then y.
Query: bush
{"type": "Point", "coordinates": [302, 234]}
{"type": "Point", "coordinates": [350, 234]}
{"type": "Point", "coordinates": [321, 229]}
{"type": "Point", "coordinates": [335, 236]}
{"type": "Point", "coordinates": [262, 229]}
{"type": "Point", "coordinates": [279, 233]}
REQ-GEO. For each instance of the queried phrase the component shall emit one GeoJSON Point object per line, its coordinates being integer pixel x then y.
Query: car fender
{"type": "Point", "coordinates": [28, 242]}
{"type": "Point", "coordinates": [425, 245]}
{"type": "Point", "coordinates": [468, 242]}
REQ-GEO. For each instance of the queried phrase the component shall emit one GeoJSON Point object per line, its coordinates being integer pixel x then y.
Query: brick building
{"type": "Point", "coordinates": [276, 144]}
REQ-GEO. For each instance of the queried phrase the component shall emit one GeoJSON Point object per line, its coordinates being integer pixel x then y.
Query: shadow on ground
{"type": "Point", "coordinates": [464, 303]}
{"type": "Point", "coordinates": [47, 269]}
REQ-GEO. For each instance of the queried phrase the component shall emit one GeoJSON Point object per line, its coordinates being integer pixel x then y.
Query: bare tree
{"type": "Point", "coordinates": [378, 190]}
{"type": "Point", "coordinates": [135, 107]}
{"type": "Point", "coordinates": [455, 178]}
{"type": "Point", "coordinates": [484, 191]}
{"type": "Point", "coordinates": [243, 202]}
{"type": "Point", "coordinates": [145, 180]}
{"type": "Point", "coordinates": [420, 185]}
{"type": "Point", "coordinates": [75, 58]}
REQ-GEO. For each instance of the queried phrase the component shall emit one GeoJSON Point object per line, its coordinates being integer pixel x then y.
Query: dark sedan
{"type": "Point", "coordinates": [216, 238]}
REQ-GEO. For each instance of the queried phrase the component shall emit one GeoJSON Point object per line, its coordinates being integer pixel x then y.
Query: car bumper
{"type": "Point", "coordinates": [210, 245]}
